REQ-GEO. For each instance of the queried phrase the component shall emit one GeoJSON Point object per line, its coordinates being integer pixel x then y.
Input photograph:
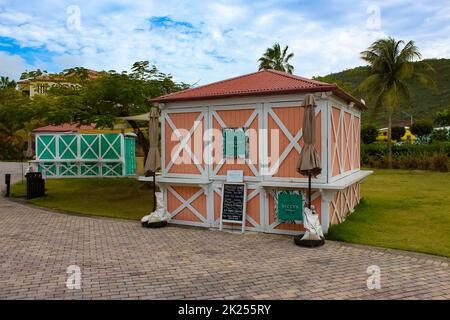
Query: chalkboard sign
{"type": "Point", "coordinates": [233, 204]}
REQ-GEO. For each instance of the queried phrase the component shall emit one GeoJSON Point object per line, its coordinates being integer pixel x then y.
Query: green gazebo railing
{"type": "Point", "coordinates": [61, 155]}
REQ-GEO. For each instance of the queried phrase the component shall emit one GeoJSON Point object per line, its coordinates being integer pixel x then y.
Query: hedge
{"type": "Point", "coordinates": [434, 156]}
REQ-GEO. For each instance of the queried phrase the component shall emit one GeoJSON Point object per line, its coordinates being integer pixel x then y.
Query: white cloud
{"type": "Point", "coordinates": [225, 39]}
{"type": "Point", "coordinates": [11, 66]}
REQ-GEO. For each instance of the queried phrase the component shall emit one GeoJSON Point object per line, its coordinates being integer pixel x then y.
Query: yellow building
{"type": "Point", "coordinates": [40, 85]}
{"type": "Point", "coordinates": [382, 135]}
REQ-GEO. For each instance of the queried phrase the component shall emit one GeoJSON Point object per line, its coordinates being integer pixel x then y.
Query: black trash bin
{"type": "Point", "coordinates": [35, 185]}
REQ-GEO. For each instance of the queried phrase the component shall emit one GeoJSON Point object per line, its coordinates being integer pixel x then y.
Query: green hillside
{"type": "Point", "coordinates": [425, 102]}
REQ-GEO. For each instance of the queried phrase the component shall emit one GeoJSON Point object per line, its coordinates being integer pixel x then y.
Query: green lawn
{"type": "Point", "coordinates": [408, 210]}
{"type": "Point", "coordinates": [116, 198]}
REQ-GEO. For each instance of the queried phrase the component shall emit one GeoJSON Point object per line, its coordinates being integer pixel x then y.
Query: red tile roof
{"type": "Point", "coordinates": [265, 82]}
{"type": "Point", "coordinates": [66, 127]}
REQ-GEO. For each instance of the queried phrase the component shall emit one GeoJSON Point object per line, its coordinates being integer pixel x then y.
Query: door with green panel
{"type": "Point", "coordinates": [46, 147]}
{"type": "Point", "coordinates": [68, 147]}
{"type": "Point", "coordinates": [89, 146]}
{"type": "Point", "coordinates": [130, 155]}
{"type": "Point", "coordinates": [110, 146]}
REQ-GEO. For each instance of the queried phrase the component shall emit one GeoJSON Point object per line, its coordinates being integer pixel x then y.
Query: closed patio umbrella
{"type": "Point", "coordinates": [309, 165]}
{"type": "Point", "coordinates": [309, 161]}
{"type": "Point", "coordinates": [153, 161]}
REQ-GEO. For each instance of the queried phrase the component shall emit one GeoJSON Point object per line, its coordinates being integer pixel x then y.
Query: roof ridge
{"type": "Point", "coordinates": [296, 77]}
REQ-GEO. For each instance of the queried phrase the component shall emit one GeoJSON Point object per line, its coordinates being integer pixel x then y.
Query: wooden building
{"type": "Point", "coordinates": [264, 111]}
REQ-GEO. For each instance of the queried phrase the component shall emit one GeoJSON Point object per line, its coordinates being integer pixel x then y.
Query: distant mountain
{"type": "Point", "coordinates": [425, 102]}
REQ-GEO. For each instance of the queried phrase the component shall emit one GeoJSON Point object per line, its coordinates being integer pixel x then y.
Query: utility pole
{"type": "Point", "coordinates": [409, 115]}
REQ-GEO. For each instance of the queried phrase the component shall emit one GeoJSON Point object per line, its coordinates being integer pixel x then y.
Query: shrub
{"type": "Point", "coordinates": [439, 135]}
{"type": "Point", "coordinates": [440, 163]}
{"type": "Point", "coordinates": [422, 128]}
{"type": "Point", "coordinates": [369, 134]}
{"type": "Point", "coordinates": [398, 133]}
{"type": "Point", "coordinates": [8, 151]}
{"type": "Point", "coordinates": [443, 118]}
{"type": "Point", "coordinates": [408, 156]}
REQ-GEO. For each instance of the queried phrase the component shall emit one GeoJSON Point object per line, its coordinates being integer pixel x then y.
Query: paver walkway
{"type": "Point", "coordinates": [121, 260]}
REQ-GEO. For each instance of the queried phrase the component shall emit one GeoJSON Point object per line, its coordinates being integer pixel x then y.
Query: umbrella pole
{"type": "Point", "coordinates": [309, 191]}
{"type": "Point", "coordinates": [154, 191]}
{"type": "Point", "coordinates": [21, 165]}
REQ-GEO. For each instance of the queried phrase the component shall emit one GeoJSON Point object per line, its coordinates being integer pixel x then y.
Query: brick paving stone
{"type": "Point", "coordinates": [121, 260]}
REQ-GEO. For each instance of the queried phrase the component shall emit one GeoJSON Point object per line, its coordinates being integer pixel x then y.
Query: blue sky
{"type": "Point", "coordinates": [204, 41]}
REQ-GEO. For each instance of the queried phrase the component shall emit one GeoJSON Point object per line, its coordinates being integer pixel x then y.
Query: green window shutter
{"type": "Point", "coordinates": [110, 146]}
{"type": "Point", "coordinates": [46, 147]}
{"type": "Point", "coordinates": [235, 143]}
{"type": "Point", "coordinates": [89, 146]}
{"type": "Point", "coordinates": [68, 147]}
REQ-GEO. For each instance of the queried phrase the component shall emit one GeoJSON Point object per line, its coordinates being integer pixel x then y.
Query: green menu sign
{"type": "Point", "coordinates": [289, 205]}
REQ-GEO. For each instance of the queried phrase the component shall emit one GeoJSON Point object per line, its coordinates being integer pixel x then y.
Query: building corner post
{"type": "Point", "coordinates": [326, 196]}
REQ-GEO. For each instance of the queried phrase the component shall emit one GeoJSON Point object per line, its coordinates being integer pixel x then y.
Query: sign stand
{"type": "Point", "coordinates": [233, 209]}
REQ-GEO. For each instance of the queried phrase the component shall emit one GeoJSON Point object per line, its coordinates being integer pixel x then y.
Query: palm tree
{"type": "Point", "coordinates": [6, 83]}
{"type": "Point", "coordinates": [276, 59]}
{"type": "Point", "coordinates": [391, 66]}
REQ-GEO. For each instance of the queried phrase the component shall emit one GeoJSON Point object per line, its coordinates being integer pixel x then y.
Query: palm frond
{"type": "Point", "coordinates": [277, 59]}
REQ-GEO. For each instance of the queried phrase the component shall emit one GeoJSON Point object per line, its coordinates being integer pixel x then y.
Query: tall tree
{"type": "Point", "coordinates": [77, 74]}
{"type": "Point", "coordinates": [442, 118]}
{"type": "Point", "coordinates": [109, 95]}
{"type": "Point", "coordinates": [141, 70]}
{"type": "Point", "coordinates": [33, 74]}
{"type": "Point", "coordinates": [5, 82]}
{"type": "Point", "coordinates": [391, 65]}
{"type": "Point", "coordinates": [277, 59]}
{"type": "Point", "coordinates": [17, 118]}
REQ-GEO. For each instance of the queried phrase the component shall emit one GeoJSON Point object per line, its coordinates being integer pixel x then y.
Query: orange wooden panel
{"type": "Point", "coordinates": [253, 208]}
{"type": "Point", "coordinates": [172, 202]}
{"type": "Point", "coordinates": [357, 144]}
{"type": "Point", "coordinates": [186, 214]}
{"type": "Point", "coordinates": [335, 129]}
{"type": "Point", "coordinates": [282, 141]}
{"type": "Point", "coordinates": [292, 119]}
{"type": "Point", "coordinates": [184, 122]}
{"type": "Point", "coordinates": [348, 144]}
{"type": "Point", "coordinates": [344, 201]}
{"type": "Point", "coordinates": [217, 205]}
